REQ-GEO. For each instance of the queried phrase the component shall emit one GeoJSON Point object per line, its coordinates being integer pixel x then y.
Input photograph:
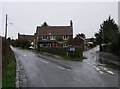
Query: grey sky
{"type": "Point", "coordinates": [86, 16]}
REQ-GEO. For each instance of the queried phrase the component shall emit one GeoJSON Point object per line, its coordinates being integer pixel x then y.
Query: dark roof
{"type": "Point", "coordinates": [54, 30]}
{"type": "Point", "coordinates": [25, 37]}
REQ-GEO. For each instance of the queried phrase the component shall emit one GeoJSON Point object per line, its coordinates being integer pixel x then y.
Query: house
{"type": "Point", "coordinates": [53, 36]}
{"type": "Point", "coordinates": [90, 42]}
{"type": "Point", "coordinates": [29, 38]}
{"type": "Point", "coordinates": [78, 42]}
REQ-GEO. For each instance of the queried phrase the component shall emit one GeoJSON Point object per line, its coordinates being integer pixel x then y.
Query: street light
{"type": "Point", "coordinates": [6, 27]}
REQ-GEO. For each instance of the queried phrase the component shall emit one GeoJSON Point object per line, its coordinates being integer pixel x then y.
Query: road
{"type": "Point", "coordinates": [41, 72]}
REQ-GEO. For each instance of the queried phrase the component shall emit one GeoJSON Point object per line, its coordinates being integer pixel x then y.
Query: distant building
{"type": "Point", "coordinates": [79, 42]}
{"type": "Point", "coordinates": [90, 42]}
{"type": "Point", "coordinates": [30, 38]}
{"type": "Point", "coordinates": [53, 36]}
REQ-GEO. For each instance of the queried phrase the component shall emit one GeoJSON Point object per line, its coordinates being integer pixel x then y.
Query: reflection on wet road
{"type": "Point", "coordinates": [95, 60]}
{"type": "Point", "coordinates": [41, 72]}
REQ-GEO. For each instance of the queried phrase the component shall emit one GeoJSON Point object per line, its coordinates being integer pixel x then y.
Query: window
{"type": "Point", "coordinates": [65, 45]}
{"type": "Point", "coordinates": [65, 37]}
{"type": "Point", "coordinates": [50, 45]}
{"type": "Point", "coordinates": [44, 37]}
{"type": "Point", "coordinates": [52, 37]}
{"type": "Point", "coordinates": [41, 45]}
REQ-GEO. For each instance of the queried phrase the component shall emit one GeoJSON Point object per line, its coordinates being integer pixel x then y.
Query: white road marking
{"type": "Point", "coordinates": [61, 67]}
{"type": "Point", "coordinates": [44, 61]}
{"type": "Point", "coordinates": [105, 69]}
{"type": "Point", "coordinates": [110, 72]}
{"type": "Point", "coordinates": [25, 55]}
{"type": "Point", "coordinates": [101, 72]}
{"type": "Point", "coordinates": [67, 69]}
{"type": "Point", "coordinates": [85, 60]}
{"type": "Point", "coordinates": [97, 69]}
{"type": "Point", "coordinates": [33, 54]}
{"type": "Point", "coordinates": [77, 71]}
{"type": "Point", "coordinates": [93, 63]}
{"type": "Point", "coordinates": [94, 66]}
{"type": "Point", "coordinates": [88, 63]}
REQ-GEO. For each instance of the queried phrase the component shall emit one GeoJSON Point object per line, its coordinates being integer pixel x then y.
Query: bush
{"type": "Point", "coordinates": [25, 44]}
{"type": "Point", "coordinates": [78, 54]}
{"type": "Point", "coordinates": [113, 48]}
{"type": "Point", "coordinates": [8, 65]}
{"type": "Point", "coordinates": [56, 51]}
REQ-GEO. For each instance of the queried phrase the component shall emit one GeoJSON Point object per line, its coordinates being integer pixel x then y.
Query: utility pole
{"type": "Point", "coordinates": [6, 27]}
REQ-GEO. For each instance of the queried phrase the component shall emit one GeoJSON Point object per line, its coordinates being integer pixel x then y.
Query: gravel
{"type": "Point", "coordinates": [21, 79]}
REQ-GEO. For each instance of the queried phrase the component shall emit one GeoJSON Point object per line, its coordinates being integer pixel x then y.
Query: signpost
{"type": "Point", "coordinates": [70, 51]}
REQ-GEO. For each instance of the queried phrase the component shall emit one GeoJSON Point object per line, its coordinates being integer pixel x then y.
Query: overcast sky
{"type": "Point", "coordinates": [86, 16]}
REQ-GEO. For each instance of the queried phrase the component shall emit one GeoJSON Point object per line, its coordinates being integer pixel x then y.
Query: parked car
{"type": "Point", "coordinates": [31, 47]}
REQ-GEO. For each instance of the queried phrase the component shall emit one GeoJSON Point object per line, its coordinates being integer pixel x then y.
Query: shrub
{"type": "Point", "coordinates": [25, 44]}
{"type": "Point", "coordinates": [63, 52]}
{"type": "Point", "coordinates": [8, 65]}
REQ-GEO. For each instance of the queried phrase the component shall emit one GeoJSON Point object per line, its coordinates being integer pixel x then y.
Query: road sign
{"type": "Point", "coordinates": [71, 49]}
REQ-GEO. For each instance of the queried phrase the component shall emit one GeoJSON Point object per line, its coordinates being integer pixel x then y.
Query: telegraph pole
{"type": "Point", "coordinates": [6, 27]}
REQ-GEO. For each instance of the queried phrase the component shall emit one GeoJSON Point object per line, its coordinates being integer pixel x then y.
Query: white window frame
{"type": "Point", "coordinates": [41, 45]}
{"type": "Point", "coordinates": [50, 45]}
{"type": "Point", "coordinates": [65, 37]}
{"type": "Point", "coordinates": [52, 37]}
{"type": "Point", "coordinates": [65, 45]}
{"type": "Point", "coordinates": [44, 37]}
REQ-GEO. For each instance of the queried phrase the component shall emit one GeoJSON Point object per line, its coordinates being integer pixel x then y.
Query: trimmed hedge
{"type": "Point", "coordinates": [56, 51]}
{"type": "Point", "coordinates": [63, 52]}
{"type": "Point", "coordinates": [8, 65]}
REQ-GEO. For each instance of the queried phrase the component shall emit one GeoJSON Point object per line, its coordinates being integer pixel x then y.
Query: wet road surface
{"type": "Point", "coordinates": [44, 73]}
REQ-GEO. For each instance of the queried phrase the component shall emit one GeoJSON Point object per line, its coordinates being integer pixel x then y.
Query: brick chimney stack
{"type": "Point", "coordinates": [71, 23]}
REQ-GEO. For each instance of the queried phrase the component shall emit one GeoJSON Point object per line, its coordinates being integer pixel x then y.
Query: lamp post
{"type": "Point", "coordinates": [6, 27]}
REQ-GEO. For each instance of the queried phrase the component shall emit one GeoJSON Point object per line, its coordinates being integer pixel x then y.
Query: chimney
{"type": "Point", "coordinates": [71, 23]}
{"type": "Point", "coordinates": [18, 35]}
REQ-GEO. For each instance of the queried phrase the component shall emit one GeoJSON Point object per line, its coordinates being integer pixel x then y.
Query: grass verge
{"type": "Point", "coordinates": [8, 65]}
{"type": "Point", "coordinates": [63, 57]}
{"type": "Point", "coordinates": [8, 78]}
{"type": "Point", "coordinates": [74, 58]}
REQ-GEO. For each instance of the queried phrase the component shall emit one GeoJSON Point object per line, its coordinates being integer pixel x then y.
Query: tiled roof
{"type": "Point", "coordinates": [54, 30]}
{"type": "Point", "coordinates": [25, 37]}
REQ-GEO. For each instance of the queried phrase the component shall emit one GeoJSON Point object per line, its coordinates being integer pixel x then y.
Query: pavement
{"type": "Point", "coordinates": [45, 71]}
{"type": "Point", "coordinates": [109, 57]}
